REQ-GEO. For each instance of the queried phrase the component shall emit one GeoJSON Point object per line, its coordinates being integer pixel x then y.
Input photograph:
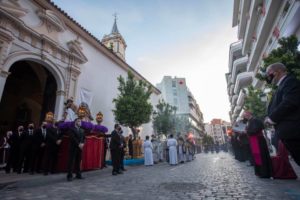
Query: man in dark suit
{"type": "Point", "coordinates": [122, 150]}
{"type": "Point", "coordinates": [50, 140]}
{"type": "Point", "coordinates": [36, 149]}
{"type": "Point", "coordinates": [77, 139]}
{"type": "Point", "coordinates": [284, 108]}
{"type": "Point", "coordinates": [14, 142]}
{"type": "Point", "coordinates": [25, 156]}
{"type": "Point", "coordinates": [40, 146]}
{"type": "Point", "coordinates": [115, 149]}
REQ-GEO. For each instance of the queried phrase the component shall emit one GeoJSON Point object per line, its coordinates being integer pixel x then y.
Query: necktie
{"type": "Point", "coordinates": [44, 133]}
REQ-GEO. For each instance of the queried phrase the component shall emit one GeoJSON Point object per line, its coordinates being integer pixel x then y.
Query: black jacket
{"type": "Point", "coordinates": [115, 141]}
{"type": "Point", "coordinates": [284, 108]}
{"type": "Point", "coordinates": [254, 126]}
{"type": "Point", "coordinates": [77, 136]}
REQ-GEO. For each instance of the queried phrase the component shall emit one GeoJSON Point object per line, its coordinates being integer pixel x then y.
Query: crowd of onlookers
{"type": "Point", "coordinates": [31, 149]}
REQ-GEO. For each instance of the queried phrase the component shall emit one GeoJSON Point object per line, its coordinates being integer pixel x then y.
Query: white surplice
{"type": "Point", "coordinates": [148, 156]}
{"type": "Point", "coordinates": [172, 145]}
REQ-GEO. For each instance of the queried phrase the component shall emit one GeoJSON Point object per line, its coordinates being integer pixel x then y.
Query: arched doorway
{"type": "Point", "coordinates": [29, 92]}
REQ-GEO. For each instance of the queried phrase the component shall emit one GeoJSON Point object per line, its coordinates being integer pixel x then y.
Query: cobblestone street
{"type": "Point", "coordinates": [210, 176]}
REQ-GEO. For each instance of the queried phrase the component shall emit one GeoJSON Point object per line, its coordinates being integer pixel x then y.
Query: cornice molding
{"type": "Point", "coordinates": [51, 20]}
{"type": "Point", "coordinates": [13, 7]}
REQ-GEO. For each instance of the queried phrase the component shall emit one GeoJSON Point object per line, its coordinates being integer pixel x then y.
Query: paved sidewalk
{"type": "Point", "coordinates": [209, 176]}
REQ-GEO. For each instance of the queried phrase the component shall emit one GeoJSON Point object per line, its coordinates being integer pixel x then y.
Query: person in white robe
{"type": "Point", "coordinates": [70, 111]}
{"type": "Point", "coordinates": [148, 156]}
{"type": "Point", "coordinates": [172, 145]}
{"type": "Point", "coordinates": [160, 150]}
{"type": "Point", "coordinates": [155, 152]}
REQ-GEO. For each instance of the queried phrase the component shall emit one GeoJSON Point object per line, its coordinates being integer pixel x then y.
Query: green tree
{"type": "Point", "coordinates": [163, 118]}
{"type": "Point", "coordinates": [254, 103]}
{"type": "Point", "coordinates": [132, 106]}
{"type": "Point", "coordinates": [287, 53]}
{"type": "Point", "coordinates": [207, 140]}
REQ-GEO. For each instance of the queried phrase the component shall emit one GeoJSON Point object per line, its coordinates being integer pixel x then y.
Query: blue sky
{"type": "Point", "coordinates": [188, 39]}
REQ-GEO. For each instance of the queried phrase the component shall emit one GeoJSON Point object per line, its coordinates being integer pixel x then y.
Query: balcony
{"type": "Point", "coordinates": [235, 18]}
{"type": "Point", "coordinates": [263, 33]}
{"type": "Point", "coordinates": [239, 65]}
{"type": "Point", "coordinates": [243, 80]}
{"type": "Point", "coordinates": [234, 99]}
{"type": "Point", "coordinates": [231, 89]}
{"type": "Point", "coordinates": [235, 52]}
{"type": "Point", "coordinates": [241, 99]}
{"type": "Point", "coordinates": [237, 111]}
{"type": "Point", "coordinates": [245, 7]}
{"type": "Point", "coordinates": [252, 22]}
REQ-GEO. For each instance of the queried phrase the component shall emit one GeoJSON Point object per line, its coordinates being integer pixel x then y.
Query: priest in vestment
{"type": "Point", "coordinates": [172, 145]}
{"type": "Point", "coordinates": [148, 156]}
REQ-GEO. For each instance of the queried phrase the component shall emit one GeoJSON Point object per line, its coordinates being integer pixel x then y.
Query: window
{"type": "Point", "coordinates": [173, 83]}
{"type": "Point", "coordinates": [175, 101]}
{"type": "Point", "coordinates": [174, 92]}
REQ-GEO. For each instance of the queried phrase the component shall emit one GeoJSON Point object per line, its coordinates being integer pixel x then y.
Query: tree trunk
{"type": "Point", "coordinates": [134, 132]}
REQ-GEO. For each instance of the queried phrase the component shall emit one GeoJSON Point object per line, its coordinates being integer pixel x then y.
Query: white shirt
{"type": "Point", "coordinates": [280, 80]}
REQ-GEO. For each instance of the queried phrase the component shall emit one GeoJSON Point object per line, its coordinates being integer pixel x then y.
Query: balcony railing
{"type": "Point", "coordinates": [239, 65]}
{"type": "Point", "coordinates": [243, 80]}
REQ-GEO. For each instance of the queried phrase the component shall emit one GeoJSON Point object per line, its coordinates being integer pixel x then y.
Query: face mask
{"type": "Point", "coordinates": [270, 78]}
{"type": "Point", "coordinates": [31, 127]}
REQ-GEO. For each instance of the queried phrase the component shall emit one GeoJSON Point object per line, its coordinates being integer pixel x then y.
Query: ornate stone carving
{"type": "Point", "coordinates": [4, 74]}
{"type": "Point", "coordinates": [60, 93]}
{"type": "Point", "coordinates": [13, 7]}
{"type": "Point", "coordinates": [5, 40]}
{"type": "Point", "coordinates": [76, 51]}
{"type": "Point", "coordinates": [51, 20]}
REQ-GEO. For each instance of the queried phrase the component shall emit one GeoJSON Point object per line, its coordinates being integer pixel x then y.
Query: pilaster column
{"type": "Point", "coordinates": [3, 77]}
{"type": "Point", "coordinates": [59, 104]}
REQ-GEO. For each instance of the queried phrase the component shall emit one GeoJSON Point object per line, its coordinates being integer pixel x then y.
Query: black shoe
{"type": "Point", "coordinates": [124, 170]}
{"type": "Point", "coordinates": [69, 179]}
{"type": "Point", "coordinates": [79, 177]}
{"type": "Point", "coordinates": [119, 172]}
{"type": "Point", "coordinates": [45, 173]}
{"type": "Point", "coordinates": [114, 173]}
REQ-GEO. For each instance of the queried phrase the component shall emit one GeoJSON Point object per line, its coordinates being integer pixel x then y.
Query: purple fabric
{"type": "Point", "coordinates": [87, 125]}
{"type": "Point", "coordinates": [100, 128]}
{"type": "Point", "coordinates": [67, 125]}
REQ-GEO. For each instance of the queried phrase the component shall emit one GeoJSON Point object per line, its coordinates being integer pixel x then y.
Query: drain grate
{"type": "Point", "coordinates": [182, 186]}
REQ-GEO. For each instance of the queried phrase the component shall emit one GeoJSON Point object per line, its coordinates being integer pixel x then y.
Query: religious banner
{"type": "Point", "coordinates": [86, 96]}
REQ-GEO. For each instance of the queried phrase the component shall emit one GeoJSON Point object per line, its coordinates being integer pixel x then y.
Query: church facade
{"type": "Point", "coordinates": [46, 57]}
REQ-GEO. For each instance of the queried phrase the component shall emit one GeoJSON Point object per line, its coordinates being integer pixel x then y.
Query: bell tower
{"type": "Point", "coordinates": [114, 41]}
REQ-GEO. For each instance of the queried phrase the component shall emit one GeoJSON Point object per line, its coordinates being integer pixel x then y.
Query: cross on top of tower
{"type": "Point", "coordinates": [115, 27]}
{"type": "Point", "coordinates": [116, 16]}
